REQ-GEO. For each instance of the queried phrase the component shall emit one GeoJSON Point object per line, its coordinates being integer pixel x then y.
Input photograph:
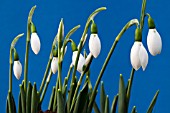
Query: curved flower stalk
{"type": "Point", "coordinates": [94, 41]}
{"type": "Point", "coordinates": [35, 41]}
{"type": "Point", "coordinates": [154, 41]}
{"type": "Point", "coordinates": [17, 67]}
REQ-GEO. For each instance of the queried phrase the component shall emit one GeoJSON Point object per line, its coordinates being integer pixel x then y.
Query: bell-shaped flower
{"type": "Point", "coordinates": [54, 65]}
{"type": "Point", "coordinates": [89, 57]}
{"type": "Point", "coordinates": [94, 45]}
{"type": "Point", "coordinates": [154, 42]}
{"type": "Point", "coordinates": [81, 61]}
{"type": "Point", "coordinates": [138, 56]}
{"type": "Point", "coordinates": [35, 41]}
{"type": "Point", "coordinates": [17, 68]}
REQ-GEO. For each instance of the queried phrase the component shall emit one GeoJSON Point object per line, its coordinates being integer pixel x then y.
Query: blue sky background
{"type": "Point", "coordinates": [13, 20]}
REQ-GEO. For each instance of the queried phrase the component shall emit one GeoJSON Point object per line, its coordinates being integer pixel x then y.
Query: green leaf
{"type": "Point", "coordinates": [152, 104]}
{"type": "Point", "coordinates": [34, 103]}
{"type": "Point", "coordinates": [50, 105]}
{"type": "Point", "coordinates": [64, 92]}
{"type": "Point", "coordinates": [106, 105]}
{"type": "Point", "coordinates": [122, 97]}
{"type": "Point", "coordinates": [102, 97]}
{"type": "Point", "coordinates": [28, 98]}
{"type": "Point", "coordinates": [114, 104]}
{"type": "Point", "coordinates": [134, 109]}
{"type": "Point", "coordinates": [13, 104]}
{"type": "Point", "coordinates": [82, 99]}
{"type": "Point", "coordinates": [23, 99]}
{"type": "Point", "coordinates": [19, 104]}
{"type": "Point", "coordinates": [7, 106]}
{"type": "Point", "coordinates": [60, 102]}
{"type": "Point", "coordinates": [96, 108]}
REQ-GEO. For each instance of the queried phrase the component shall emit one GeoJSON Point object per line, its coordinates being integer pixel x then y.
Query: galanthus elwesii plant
{"type": "Point", "coordinates": [76, 96]}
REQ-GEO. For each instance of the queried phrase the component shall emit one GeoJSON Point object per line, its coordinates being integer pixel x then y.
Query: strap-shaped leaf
{"type": "Point", "coordinates": [106, 105]}
{"type": "Point", "coordinates": [102, 97]}
{"type": "Point", "coordinates": [134, 109]}
{"type": "Point", "coordinates": [122, 97]}
{"type": "Point", "coordinates": [114, 104]}
{"type": "Point", "coordinates": [64, 92]}
{"type": "Point", "coordinates": [82, 99]}
{"type": "Point", "coordinates": [60, 102]}
{"type": "Point", "coordinates": [23, 99]}
{"type": "Point", "coordinates": [28, 98]}
{"type": "Point", "coordinates": [96, 108]}
{"type": "Point", "coordinates": [152, 104]}
{"type": "Point", "coordinates": [13, 104]}
{"type": "Point", "coordinates": [19, 104]}
{"type": "Point", "coordinates": [34, 103]}
{"type": "Point", "coordinates": [50, 105]}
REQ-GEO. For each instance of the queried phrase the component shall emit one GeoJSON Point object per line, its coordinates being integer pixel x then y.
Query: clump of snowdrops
{"type": "Point", "coordinates": [71, 97]}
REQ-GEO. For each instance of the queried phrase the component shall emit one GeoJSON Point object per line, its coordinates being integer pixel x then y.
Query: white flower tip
{"type": "Point", "coordinates": [94, 45]}
{"type": "Point", "coordinates": [17, 68]}
{"type": "Point", "coordinates": [35, 43]}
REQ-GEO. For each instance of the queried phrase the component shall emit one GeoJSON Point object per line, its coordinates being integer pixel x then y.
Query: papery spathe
{"type": "Point", "coordinates": [94, 45]}
{"type": "Point", "coordinates": [138, 56]}
{"type": "Point", "coordinates": [17, 68]}
{"type": "Point", "coordinates": [154, 42]}
{"type": "Point", "coordinates": [54, 65]}
{"type": "Point", "coordinates": [35, 43]}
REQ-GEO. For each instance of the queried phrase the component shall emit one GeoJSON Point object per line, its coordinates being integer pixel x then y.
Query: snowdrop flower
{"type": "Point", "coordinates": [94, 42]}
{"type": "Point", "coordinates": [54, 63]}
{"type": "Point", "coordinates": [138, 55]}
{"type": "Point", "coordinates": [17, 67]}
{"type": "Point", "coordinates": [88, 59]}
{"type": "Point", "coordinates": [81, 61]}
{"type": "Point", "coordinates": [154, 41]}
{"type": "Point", "coordinates": [35, 41]}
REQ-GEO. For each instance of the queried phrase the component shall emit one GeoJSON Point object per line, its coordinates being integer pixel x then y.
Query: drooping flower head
{"type": "Point", "coordinates": [154, 41]}
{"type": "Point", "coordinates": [138, 55]}
{"type": "Point", "coordinates": [94, 41]}
{"type": "Point", "coordinates": [17, 67]}
{"type": "Point", "coordinates": [35, 41]}
{"type": "Point", "coordinates": [54, 63]}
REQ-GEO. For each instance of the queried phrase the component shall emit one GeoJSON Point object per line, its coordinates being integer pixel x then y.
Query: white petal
{"type": "Point", "coordinates": [81, 61]}
{"type": "Point", "coordinates": [134, 55]}
{"type": "Point", "coordinates": [64, 50]}
{"type": "Point", "coordinates": [88, 59]}
{"type": "Point", "coordinates": [35, 43]}
{"type": "Point", "coordinates": [143, 56]}
{"type": "Point", "coordinates": [154, 42]}
{"type": "Point", "coordinates": [17, 68]}
{"type": "Point", "coordinates": [54, 65]}
{"type": "Point", "coordinates": [94, 45]}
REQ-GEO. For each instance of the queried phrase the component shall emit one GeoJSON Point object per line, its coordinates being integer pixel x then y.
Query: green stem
{"type": "Point", "coordinates": [45, 75]}
{"type": "Point", "coordinates": [142, 14]}
{"type": "Point", "coordinates": [27, 46]}
{"type": "Point", "coordinates": [130, 85]}
{"type": "Point", "coordinates": [46, 86]}
{"type": "Point", "coordinates": [82, 40]}
{"type": "Point", "coordinates": [130, 23]}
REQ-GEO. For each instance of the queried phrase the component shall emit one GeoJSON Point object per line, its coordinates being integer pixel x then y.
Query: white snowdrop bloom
{"type": "Point", "coordinates": [35, 43]}
{"type": "Point", "coordinates": [17, 68]}
{"type": "Point", "coordinates": [54, 65]}
{"type": "Point", "coordinates": [154, 42]}
{"type": "Point", "coordinates": [94, 45]}
{"type": "Point", "coordinates": [138, 56]}
{"type": "Point", "coordinates": [81, 61]}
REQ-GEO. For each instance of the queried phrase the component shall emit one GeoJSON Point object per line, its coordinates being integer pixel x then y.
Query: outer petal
{"type": "Point", "coordinates": [154, 42]}
{"type": "Point", "coordinates": [143, 56]}
{"type": "Point", "coordinates": [17, 68]}
{"type": "Point", "coordinates": [88, 59]}
{"type": "Point", "coordinates": [54, 65]}
{"type": "Point", "coordinates": [134, 55]}
{"type": "Point", "coordinates": [35, 43]}
{"type": "Point", "coordinates": [94, 45]}
{"type": "Point", "coordinates": [81, 61]}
